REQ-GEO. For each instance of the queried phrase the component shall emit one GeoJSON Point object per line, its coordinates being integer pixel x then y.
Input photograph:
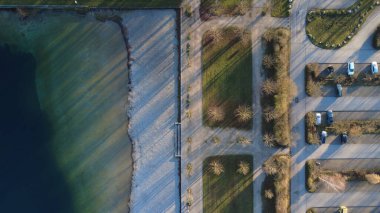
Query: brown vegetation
{"type": "Point", "coordinates": [216, 167]}
{"type": "Point", "coordinates": [276, 97]}
{"type": "Point", "coordinates": [336, 180]}
{"type": "Point", "coordinates": [244, 113]}
{"type": "Point", "coordinates": [278, 168]}
{"type": "Point", "coordinates": [244, 168]}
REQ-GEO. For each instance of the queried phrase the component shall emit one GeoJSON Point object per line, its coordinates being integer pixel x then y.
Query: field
{"type": "Point", "coordinates": [98, 3]}
{"type": "Point", "coordinates": [280, 8]}
{"type": "Point", "coordinates": [331, 29]}
{"type": "Point", "coordinates": [224, 7]}
{"type": "Point", "coordinates": [230, 191]}
{"type": "Point", "coordinates": [226, 77]}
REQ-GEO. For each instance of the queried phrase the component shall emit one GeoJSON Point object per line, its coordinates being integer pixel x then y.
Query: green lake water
{"type": "Point", "coordinates": [64, 143]}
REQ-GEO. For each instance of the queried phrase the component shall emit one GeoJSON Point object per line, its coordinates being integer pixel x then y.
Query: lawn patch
{"type": "Point", "coordinates": [230, 191]}
{"type": "Point", "coordinates": [211, 8]}
{"type": "Point", "coordinates": [278, 89]}
{"type": "Point", "coordinates": [331, 29]}
{"type": "Point", "coordinates": [281, 8]}
{"type": "Point", "coordinates": [227, 78]}
{"type": "Point", "coordinates": [277, 183]}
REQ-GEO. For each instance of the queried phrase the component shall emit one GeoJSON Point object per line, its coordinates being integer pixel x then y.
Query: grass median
{"type": "Point", "coordinates": [280, 8]}
{"type": "Point", "coordinates": [210, 8]}
{"type": "Point", "coordinates": [227, 78]}
{"type": "Point", "coordinates": [229, 190]}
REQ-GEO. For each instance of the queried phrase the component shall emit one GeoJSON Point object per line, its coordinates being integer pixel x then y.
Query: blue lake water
{"type": "Point", "coordinates": [29, 180]}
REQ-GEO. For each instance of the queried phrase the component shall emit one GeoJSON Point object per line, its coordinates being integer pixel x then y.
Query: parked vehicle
{"type": "Point", "coordinates": [318, 118]}
{"type": "Point", "coordinates": [342, 209]}
{"type": "Point", "coordinates": [374, 67]}
{"type": "Point", "coordinates": [330, 117]}
{"type": "Point", "coordinates": [323, 137]}
{"type": "Point", "coordinates": [330, 68]}
{"type": "Point", "coordinates": [351, 68]}
{"type": "Point", "coordinates": [339, 89]}
{"type": "Point", "coordinates": [343, 138]}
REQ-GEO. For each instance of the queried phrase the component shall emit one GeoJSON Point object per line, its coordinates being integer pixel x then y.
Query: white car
{"type": "Point", "coordinates": [318, 118]}
{"type": "Point", "coordinates": [351, 68]}
{"type": "Point", "coordinates": [374, 67]}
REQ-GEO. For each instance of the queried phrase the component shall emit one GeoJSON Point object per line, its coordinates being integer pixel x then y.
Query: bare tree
{"type": "Point", "coordinates": [269, 87]}
{"type": "Point", "coordinates": [244, 168]}
{"type": "Point", "coordinates": [216, 114]}
{"type": "Point", "coordinates": [216, 167]}
{"type": "Point", "coordinates": [244, 113]}
{"type": "Point", "coordinates": [268, 139]}
{"type": "Point", "coordinates": [269, 194]}
{"type": "Point", "coordinates": [243, 140]}
{"type": "Point", "coordinates": [268, 62]}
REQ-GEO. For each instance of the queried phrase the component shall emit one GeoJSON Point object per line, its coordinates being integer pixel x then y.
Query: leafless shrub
{"type": "Point", "coordinates": [189, 169]}
{"type": "Point", "coordinates": [269, 194]}
{"type": "Point", "coordinates": [243, 7]}
{"type": "Point", "coordinates": [244, 168]}
{"type": "Point", "coordinates": [373, 178]}
{"type": "Point", "coordinates": [355, 131]}
{"type": "Point", "coordinates": [313, 88]}
{"type": "Point", "coordinates": [269, 87]}
{"type": "Point", "coordinates": [243, 140]}
{"type": "Point", "coordinates": [268, 62]}
{"type": "Point", "coordinates": [340, 79]}
{"type": "Point", "coordinates": [244, 113]}
{"type": "Point", "coordinates": [268, 139]}
{"type": "Point", "coordinates": [215, 140]}
{"type": "Point", "coordinates": [216, 114]}
{"type": "Point", "coordinates": [189, 197]}
{"type": "Point", "coordinates": [216, 167]}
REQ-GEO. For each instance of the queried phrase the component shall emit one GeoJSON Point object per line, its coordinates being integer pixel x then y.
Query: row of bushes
{"type": "Point", "coordinates": [338, 178]}
{"type": "Point", "coordinates": [276, 102]}
{"type": "Point", "coordinates": [311, 129]}
{"type": "Point", "coordinates": [278, 169]}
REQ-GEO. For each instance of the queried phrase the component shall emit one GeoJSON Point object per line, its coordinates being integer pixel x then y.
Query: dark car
{"type": "Point", "coordinates": [344, 138]}
{"type": "Point", "coordinates": [330, 117]}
